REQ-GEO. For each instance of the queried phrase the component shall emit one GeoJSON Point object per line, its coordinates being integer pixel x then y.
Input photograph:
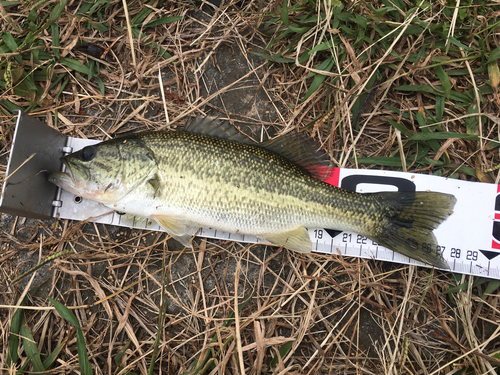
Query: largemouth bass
{"type": "Point", "coordinates": [186, 180]}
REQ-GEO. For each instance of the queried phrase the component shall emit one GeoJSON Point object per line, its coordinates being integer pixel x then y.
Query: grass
{"type": "Point", "coordinates": [380, 84]}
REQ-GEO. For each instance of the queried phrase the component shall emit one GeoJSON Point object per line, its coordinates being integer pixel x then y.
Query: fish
{"type": "Point", "coordinates": [210, 175]}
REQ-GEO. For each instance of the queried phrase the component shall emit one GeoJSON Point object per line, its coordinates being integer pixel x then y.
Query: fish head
{"type": "Point", "coordinates": [106, 172]}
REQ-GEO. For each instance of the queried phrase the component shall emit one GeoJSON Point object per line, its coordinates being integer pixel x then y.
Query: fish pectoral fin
{"type": "Point", "coordinates": [297, 240]}
{"type": "Point", "coordinates": [178, 228]}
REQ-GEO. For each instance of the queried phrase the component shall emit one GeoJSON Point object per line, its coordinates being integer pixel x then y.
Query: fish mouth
{"type": "Point", "coordinates": [73, 180]}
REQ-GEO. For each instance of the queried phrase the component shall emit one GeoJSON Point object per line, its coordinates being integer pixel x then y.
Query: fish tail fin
{"type": "Point", "coordinates": [408, 221]}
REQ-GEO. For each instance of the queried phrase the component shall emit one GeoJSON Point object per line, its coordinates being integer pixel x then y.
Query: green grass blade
{"type": "Point", "coordinates": [381, 160]}
{"type": "Point", "coordinates": [322, 47]}
{"type": "Point", "coordinates": [426, 130]}
{"type": "Point", "coordinates": [31, 349]}
{"type": "Point", "coordinates": [63, 86]}
{"type": "Point", "coordinates": [51, 358]}
{"type": "Point", "coordinates": [472, 123]}
{"type": "Point", "coordinates": [83, 358]}
{"type": "Point", "coordinates": [445, 80]}
{"type": "Point", "coordinates": [56, 12]}
{"type": "Point", "coordinates": [55, 39]}
{"type": "Point", "coordinates": [141, 16]}
{"type": "Point", "coordinates": [440, 104]}
{"type": "Point", "coordinates": [441, 135]}
{"type": "Point", "coordinates": [10, 42]}
{"type": "Point", "coordinates": [95, 6]}
{"type": "Point", "coordinates": [413, 29]}
{"type": "Point", "coordinates": [5, 3]}
{"type": "Point", "coordinates": [412, 88]}
{"type": "Point", "coordinates": [282, 353]}
{"type": "Point", "coordinates": [92, 66]}
{"type": "Point", "coordinates": [400, 127]}
{"type": "Point", "coordinates": [65, 313]}
{"type": "Point", "coordinates": [458, 288]}
{"type": "Point", "coordinates": [424, 88]}
{"type": "Point", "coordinates": [100, 83]}
{"type": "Point", "coordinates": [121, 353]}
{"type": "Point", "coordinates": [457, 43]}
{"type": "Point", "coordinates": [55, 80]}
{"type": "Point", "coordinates": [463, 169]}
{"type": "Point", "coordinates": [494, 55]}
{"type": "Point", "coordinates": [491, 287]}
{"type": "Point", "coordinates": [11, 107]}
{"type": "Point", "coordinates": [75, 65]}
{"type": "Point", "coordinates": [15, 329]}
{"type": "Point", "coordinates": [148, 41]}
{"type": "Point", "coordinates": [68, 315]}
{"type": "Point", "coordinates": [6, 16]}
{"type": "Point", "coordinates": [479, 281]}
{"type": "Point", "coordinates": [284, 13]}
{"type": "Point", "coordinates": [319, 78]}
{"type": "Point", "coordinates": [99, 26]}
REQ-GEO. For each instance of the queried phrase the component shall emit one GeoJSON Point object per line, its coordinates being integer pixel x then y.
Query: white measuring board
{"type": "Point", "coordinates": [469, 239]}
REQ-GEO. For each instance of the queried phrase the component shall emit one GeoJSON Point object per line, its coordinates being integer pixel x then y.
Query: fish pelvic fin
{"type": "Point", "coordinates": [408, 221]}
{"type": "Point", "coordinates": [178, 228]}
{"type": "Point", "coordinates": [297, 240]}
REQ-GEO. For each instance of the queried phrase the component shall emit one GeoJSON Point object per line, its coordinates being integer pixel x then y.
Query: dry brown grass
{"type": "Point", "coordinates": [339, 315]}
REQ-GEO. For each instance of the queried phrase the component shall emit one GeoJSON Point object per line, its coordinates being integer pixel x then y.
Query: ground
{"type": "Point", "coordinates": [233, 307]}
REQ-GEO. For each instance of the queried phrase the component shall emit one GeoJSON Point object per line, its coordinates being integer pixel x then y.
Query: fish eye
{"type": "Point", "coordinates": [88, 153]}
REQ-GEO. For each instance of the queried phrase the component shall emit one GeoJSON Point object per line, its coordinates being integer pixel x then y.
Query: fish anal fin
{"type": "Point", "coordinates": [178, 228]}
{"type": "Point", "coordinates": [297, 240]}
{"type": "Point", "coordinates": [185, 240]}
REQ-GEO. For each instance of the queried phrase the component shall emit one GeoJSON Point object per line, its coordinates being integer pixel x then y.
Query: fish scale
{"type": "Point", "coordinates": [257, 183]}
{"type": "Point", "coordinates": [259, 187]}
{"type": "Point", "coordinates": [186, 180]}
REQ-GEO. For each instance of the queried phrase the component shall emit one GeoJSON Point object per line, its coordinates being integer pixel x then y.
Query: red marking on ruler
{"type": "Point", "coordinates": [495, 245]}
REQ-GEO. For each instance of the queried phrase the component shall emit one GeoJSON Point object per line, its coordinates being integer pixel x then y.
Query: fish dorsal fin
{"type": "Point", "coordinates": [300, 150]}
{"type": "Point", "coordinates": [216, 128]}
{"type": "Point", "coordinates": [297, 148]}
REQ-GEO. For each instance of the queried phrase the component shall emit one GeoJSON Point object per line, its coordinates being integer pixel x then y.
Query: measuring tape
{"type": "Point", "coordinates": [469, 239]}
